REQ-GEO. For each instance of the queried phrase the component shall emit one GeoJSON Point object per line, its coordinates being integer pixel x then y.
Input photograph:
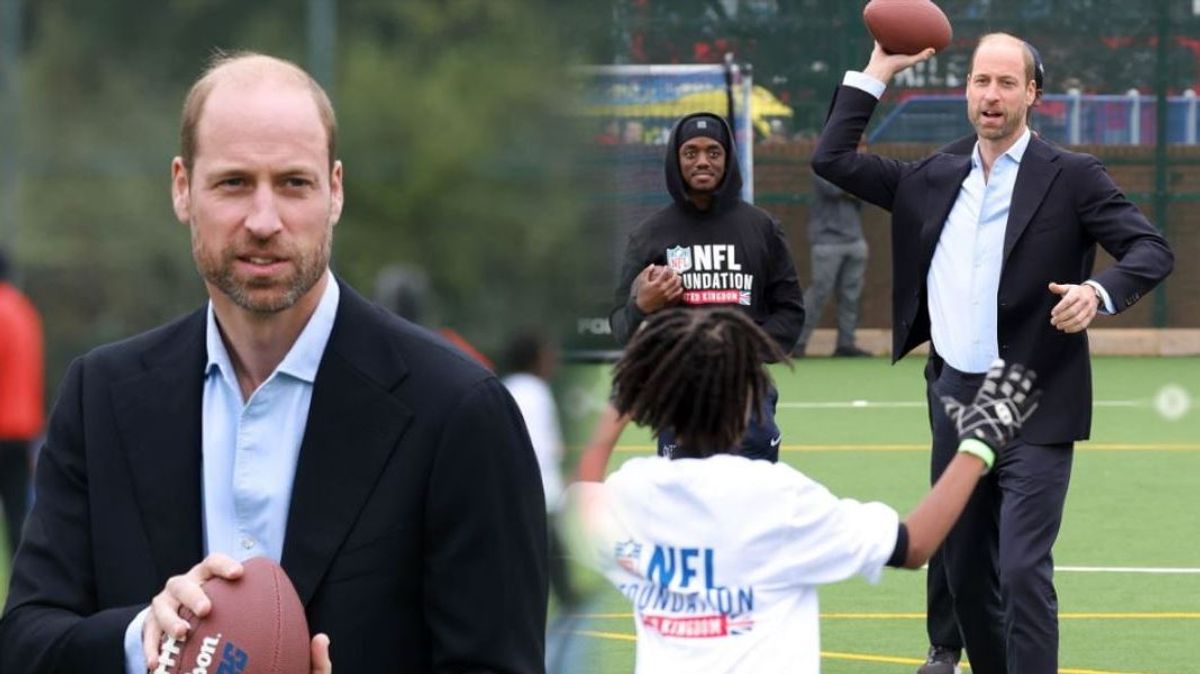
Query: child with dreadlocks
{"type": "Point", "coordinates": [721, 555]}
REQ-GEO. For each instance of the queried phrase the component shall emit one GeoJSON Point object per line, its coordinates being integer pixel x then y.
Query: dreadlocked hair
{"type": "Point", "coordinates": [698, 373]}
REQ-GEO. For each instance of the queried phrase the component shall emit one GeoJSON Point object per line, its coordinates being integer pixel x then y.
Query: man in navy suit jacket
{"type": "Point", "coordinates": [992, 256]}
{"type": "Point", "coordinates": [390, 475]}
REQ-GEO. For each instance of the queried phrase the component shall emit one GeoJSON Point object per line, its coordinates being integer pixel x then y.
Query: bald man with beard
{"type": "Point", "coordinates": [287, 418]}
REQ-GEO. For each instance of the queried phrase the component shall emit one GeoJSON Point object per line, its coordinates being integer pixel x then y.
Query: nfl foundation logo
{"type": "Point", "coordinates": [627, 554]}
{"type": "Point", "coordinates": [679, 259]}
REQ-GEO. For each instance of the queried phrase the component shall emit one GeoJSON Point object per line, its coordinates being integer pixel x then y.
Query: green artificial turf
{"type": "Point", "coordinates": [1133, 502]}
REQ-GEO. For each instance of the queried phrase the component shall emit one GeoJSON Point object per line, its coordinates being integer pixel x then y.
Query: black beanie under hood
{"type": "Point", "coordinates": [706, 124]}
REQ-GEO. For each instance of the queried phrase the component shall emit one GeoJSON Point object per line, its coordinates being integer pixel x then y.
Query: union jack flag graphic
{"type": "Point", "coordinates": [740, 626]}
{"type": "Point", "coordinates": [744, 297]}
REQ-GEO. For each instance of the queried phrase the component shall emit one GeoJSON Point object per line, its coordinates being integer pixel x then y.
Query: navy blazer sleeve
{"type": "Point", "coordinates": [1142, 254]}
{"type": "Point", "coordinates": [836, 158]}
{"type": "Point", "coordinates": [54, 621]}
{"type": "Point", "coordinates": [485, 577]}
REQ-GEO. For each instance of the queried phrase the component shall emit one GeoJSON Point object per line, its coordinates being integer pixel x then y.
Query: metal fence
{"type": "Point", "coordinates": [1071, 119]}
{"type": "Point", "coordinates": [1096, 53]}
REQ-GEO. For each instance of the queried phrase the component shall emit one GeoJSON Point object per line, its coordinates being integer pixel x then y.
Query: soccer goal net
{"type": "Point", "coordinates": [629, 111]}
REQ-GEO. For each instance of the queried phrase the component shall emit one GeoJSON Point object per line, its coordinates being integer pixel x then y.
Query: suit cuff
{"type": "Point", "coordinates": [135, 660]}
{"type": "Point", "coordinates": [864, 82]}
{"type": "Point", "coordinates": [1106, 304]}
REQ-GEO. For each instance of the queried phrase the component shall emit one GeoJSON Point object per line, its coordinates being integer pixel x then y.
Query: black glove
{"type": "Point", "coordinates": [1004, 401]}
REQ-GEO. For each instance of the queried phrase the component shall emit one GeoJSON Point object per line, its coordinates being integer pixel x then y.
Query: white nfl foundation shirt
{"type": "Point", "coordinates": [721, 559]}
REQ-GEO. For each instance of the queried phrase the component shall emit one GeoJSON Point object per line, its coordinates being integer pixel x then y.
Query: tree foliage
{"type": "Point", "coordinates": [455, 133]}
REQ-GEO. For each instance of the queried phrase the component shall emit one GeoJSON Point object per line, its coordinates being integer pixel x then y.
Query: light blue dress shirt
{"type": "Point", "coordinates": [250, 448]}
{"type": "Point", "coordinates": [964, 277]}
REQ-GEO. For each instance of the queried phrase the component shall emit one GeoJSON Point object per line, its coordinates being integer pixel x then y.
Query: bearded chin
{"type": "Point", "coordinates": [262, 296]}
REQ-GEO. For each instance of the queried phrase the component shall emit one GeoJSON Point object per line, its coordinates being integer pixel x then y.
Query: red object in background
{"type": "Point", "coordinates": [637, 47]}
{"type": "Point", "coordinates": [711, 52]}
{"type": "Point", "coordinates": [1117, 41]}
{"type": "Point", "coordinates": [466, 347]}
{"type": "Point", "coordinates": [21, 377]}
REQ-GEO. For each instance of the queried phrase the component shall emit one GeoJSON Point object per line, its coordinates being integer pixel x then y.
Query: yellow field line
{"type": "Point", "coordinates": [888, 660]}
{"type": "Point", "coordinates": [1085, 671]}
{"type": "Point", "coordinates": [1130, 616]}
{"type": "Point", "coordinates": [615, 636]}
{"type": "Point", "coordinates": [1061, 616]}
{"type": "Point", "coordinates": [910, 447]}
{"type": "Point", "coordinates": [882, 659]}
{"type": "Point", "coordinates": [921, 616]}
{"type": "Point", "coordinates": [853, 657]}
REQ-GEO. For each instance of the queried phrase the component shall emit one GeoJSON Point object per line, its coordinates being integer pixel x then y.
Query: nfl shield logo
{"type": "Point", "coordinates": [627, 553]}
{"type": "Point", "coordinates": [679, 259]}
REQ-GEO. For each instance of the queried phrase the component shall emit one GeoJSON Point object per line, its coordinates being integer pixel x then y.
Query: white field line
{"type": "Point", "coordinates": [1159, 570]}
{"type": "Point", "coordinates": [1127, 569]}
{"type": "Point", "coordinates": [904, 404]}
{"type": "Point", "coordinates": [1088, 446]}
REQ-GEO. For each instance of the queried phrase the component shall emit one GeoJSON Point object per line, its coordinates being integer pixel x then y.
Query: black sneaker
{"type": "Point", "coordinates": [850, 352]}
{"type": "Point", "coordinates": [941, 660]}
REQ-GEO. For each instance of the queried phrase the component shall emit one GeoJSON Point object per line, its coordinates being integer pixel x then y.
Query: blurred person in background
{"type": "Point", "coordinates": [722, 556]}
{"type": "Point", "coordinates": [531, 362]}
{"type": "Point", "coordinates": [633, 133]}
{"type": "Point", "coordinates": [839, 261]}
{"type": "Point", "coordinates": [993, 257]}
{"type": "Point", "coordinates": [406, 290]}
{"type": "Point", "coordinates": [21, 399]}
{"type": "Point", "coordinates": [386, 472]}
{"type": "Point", "coordinates": [710, 248]}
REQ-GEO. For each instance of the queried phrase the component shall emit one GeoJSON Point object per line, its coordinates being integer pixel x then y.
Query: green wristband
{"type": "Point", "coordinates": [981, 449]}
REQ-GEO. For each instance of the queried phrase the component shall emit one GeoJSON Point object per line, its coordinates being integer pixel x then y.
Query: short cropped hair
{"type": "Point", "coordinates": [698, 373]}
{"type": "Point", "coordinates": [218, 67]}
{"type": "Point", "coordinates": [1030, 64]}
{"type": "Point", "coordinates": [524, 351]}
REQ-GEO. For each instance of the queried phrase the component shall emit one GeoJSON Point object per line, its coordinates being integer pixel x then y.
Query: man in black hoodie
{"type": "Point", "coordinates": [710, 247]}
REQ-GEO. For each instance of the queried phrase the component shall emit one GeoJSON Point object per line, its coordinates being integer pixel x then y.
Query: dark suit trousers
{"type": "Point", "coordinates": [14, 488]}
{"type": "Point", "coordinates": [997, 557]}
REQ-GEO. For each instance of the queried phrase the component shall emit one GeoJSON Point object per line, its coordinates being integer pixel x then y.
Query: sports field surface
{"type": "Point", "coordinates": [1128, 557]}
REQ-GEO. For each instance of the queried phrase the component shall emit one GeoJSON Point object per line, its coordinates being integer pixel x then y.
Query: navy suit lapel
{"type": "Point", "coordinates": [1038, 170]}
{"type": "Point", "coordinates": [354, 425]}
{"type": "Point", "coordinates": [158, 413]}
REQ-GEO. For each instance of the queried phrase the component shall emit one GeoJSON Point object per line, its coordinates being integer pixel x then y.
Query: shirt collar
{"type": "Point", "coordinates": [1016, 152]}
{"type": "Point", "coordinates": [302, 360]}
